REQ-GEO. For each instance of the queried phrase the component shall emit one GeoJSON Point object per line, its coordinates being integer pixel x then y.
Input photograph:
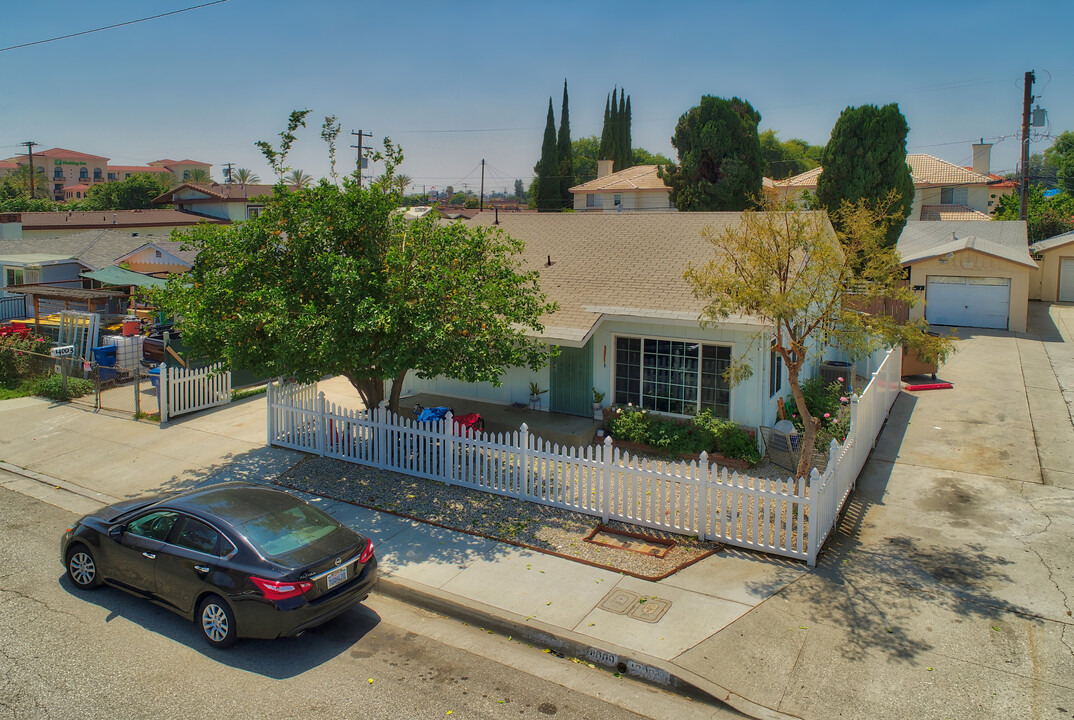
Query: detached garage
{"type": "Point", "coordinates": [969, 274]}
{"type": "Point", "coordinates": [1054, 281]}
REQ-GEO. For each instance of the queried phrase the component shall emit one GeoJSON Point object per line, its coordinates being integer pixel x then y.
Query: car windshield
{"type": "Point", "coordinates": [284, 532]}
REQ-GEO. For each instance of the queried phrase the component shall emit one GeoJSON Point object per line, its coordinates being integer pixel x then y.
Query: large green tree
{"type": "Point", "coordinates": [806, 283]}
{"type": "Point", "coordinates": [865, 159]}
{"type": "Point", "coordinates": [608, 139]}
{"type": "Point", "coordinates": [563, 148]}
{"type": "Point", "coordinates": [134, 193]}
{"type": "Point", "coordinates": [784, 158]}
{"type": "Point", "coordinates": [585, 152]}
{"type": "Point", "coordinates": [1046, 216]}
{"type": "Point", "coordinates": [17, 184]}
{"type": "Point", "coordinates": [548, 193]}
{"type": "Point", "coordinates": [331, 280]}
{"type": "Point", "coordinates": [1061, 156]}
{"type": "Point", "coordinates": [720, 163]}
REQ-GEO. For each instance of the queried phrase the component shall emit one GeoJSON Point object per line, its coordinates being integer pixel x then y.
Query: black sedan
{"type": "Point", "coordinates": [241, 560]}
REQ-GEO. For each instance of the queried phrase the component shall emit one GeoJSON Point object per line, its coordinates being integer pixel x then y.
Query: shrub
{"type": "Point", "coordinates": [675, 438]}
{"type": "Point", "coordinates": [826, 402]}
{"type": "Point", "coordinates": [51, 387]}
{"type": "Point", "coordinates": [23, 357]}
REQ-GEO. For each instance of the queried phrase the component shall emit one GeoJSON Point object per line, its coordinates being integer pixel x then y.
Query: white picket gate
{"type": "Point", "coordinates": [782, 517]}
{"type": "Point", "coordinates": [185, 391]}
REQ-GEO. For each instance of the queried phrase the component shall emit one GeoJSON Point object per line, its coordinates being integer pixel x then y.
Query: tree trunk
{"type": "Point", "coordinates": [811, 425]}
{"type": "Point", "coordinates": [397, 390]}
{"type": "Point", "coordinates": [370, 389]}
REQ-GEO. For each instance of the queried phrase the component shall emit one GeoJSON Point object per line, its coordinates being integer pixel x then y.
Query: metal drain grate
{"type": "Point", "coordinates": [640, 607]}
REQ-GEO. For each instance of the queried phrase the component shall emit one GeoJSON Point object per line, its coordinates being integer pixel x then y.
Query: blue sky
{"type": "Point", "coordinates": [457, 82]}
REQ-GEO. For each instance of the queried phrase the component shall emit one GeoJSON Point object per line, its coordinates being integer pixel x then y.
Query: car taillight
{"type": "Point", "coordinates": [281, 590]}
{"type": "Point", "coordinates": [367, 554]}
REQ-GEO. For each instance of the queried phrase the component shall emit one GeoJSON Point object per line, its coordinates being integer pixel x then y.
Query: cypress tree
{"type": "Point", "coordinates": [566, 162]}
{"type": "Point", "coordinates": [866, 159]}
{"type": "Point", "coordinates": [605, 136]}
{"type": "Point", "coordinates": [626, 155]}
{"type": "Point", "coordinates": [549, 196]}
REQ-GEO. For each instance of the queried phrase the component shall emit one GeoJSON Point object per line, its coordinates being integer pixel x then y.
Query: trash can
{"type": "Point", "coordinates": [105, 357]}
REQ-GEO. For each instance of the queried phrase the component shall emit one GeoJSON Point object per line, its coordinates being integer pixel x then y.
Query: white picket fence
{"type": "Point", "coordinates": [185, 391]}
{"type": "Point", "coordinates": [782, 516]}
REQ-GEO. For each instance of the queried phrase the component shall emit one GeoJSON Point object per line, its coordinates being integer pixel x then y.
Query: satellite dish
{"type": "Point", "coordinates": [786, 427]}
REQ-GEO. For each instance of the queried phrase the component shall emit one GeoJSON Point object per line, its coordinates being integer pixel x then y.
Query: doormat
{"type": "Point", "coordinates": [931, 386]}
{"type": "Point", "coordinates": [634, 542]}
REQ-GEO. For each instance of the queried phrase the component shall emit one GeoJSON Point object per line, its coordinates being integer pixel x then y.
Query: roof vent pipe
{"type": "Point", "coordinates": [497, 221]}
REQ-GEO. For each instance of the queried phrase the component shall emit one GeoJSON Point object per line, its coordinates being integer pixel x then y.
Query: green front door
{"type": "Point", "coordinates": [571, 382]}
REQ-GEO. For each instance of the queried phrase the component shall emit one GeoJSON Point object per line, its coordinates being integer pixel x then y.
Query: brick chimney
{"type": "Point", "coordinates": [982, 157]}
{"type": "Point", "coordinates": [604, 167]}
{"type": "Point", "coordinates": [10, 226]}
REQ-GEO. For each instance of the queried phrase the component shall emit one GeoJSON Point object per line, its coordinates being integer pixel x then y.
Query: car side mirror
{"type": "Point", "coordinates": [115, 532]}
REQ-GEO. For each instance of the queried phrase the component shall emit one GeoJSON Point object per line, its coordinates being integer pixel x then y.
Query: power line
{"type": "Point", "coordinates": [109, 27]}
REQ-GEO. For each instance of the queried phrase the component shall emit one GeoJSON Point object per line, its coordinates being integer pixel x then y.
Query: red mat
{"type": "Point", "coordinates": [931, 386]}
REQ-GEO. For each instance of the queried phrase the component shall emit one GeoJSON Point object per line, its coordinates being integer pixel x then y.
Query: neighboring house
{"type": "Point", "coordinates": [970, 273]}
{"type": "Point", "coordinates": [227, 202]}
{"type": "Point", "coordinates": [1054, 280]}
{"type": "Point", "coordinates": [54, 224]}
{"type": "Point", "coordinates": [636, 188]}
{"type": "Point", "coordinates": [943, 191]}
{"type": "Point", "coordinates": [627, 322]}
{"type": "Point", "coordinates": [159, 257]}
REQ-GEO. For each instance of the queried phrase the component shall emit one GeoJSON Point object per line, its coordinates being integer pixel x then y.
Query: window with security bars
{"type": "Point", "coordinates": [680, 377]}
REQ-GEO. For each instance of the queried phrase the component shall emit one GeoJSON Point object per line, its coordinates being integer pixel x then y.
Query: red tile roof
{"type": "Point", "coordinates": [136, 169]}
{"type": "Point", "coordinates": [62, 153]}
{"type": "Point", "coordinates": [235, 192]}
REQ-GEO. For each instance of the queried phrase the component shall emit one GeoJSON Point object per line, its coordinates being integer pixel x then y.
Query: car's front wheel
{"type": "Point", "coordinates": [82, 568]}
{"type": "Point", "coordinates": [217, 622]}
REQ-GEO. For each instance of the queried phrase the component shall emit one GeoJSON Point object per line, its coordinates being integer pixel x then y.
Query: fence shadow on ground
{"type": "Point", "coordinates": [260, 465]}
{"type": "Point", "coordinates": [276, 659]}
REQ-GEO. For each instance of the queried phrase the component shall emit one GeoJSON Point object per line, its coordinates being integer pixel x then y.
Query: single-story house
{"type": "Point", "coordinates": [635, 188]}
{"type": "Point", "coordinates": [159, 257]}
{"type": "Point", "coordinates": [69, 222]}
{"type": "Point", "coordinates": [1054, 280]}
{"type": "Point", "coordinates": [225, 202]}
{"type": "Point", "coordinates": [943, 191]}
{"type": "Point", "coordinates": [628, 322]}
{"type": "Point", "coordinates": [969, 273]}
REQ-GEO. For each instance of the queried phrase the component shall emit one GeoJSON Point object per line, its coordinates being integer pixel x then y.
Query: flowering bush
{"type": "Point", "coordinates": [23, 356]}
{"type": "Point", "coordinates": [827, 402]}
{"type": "Point", "coordinates": [676, 438]}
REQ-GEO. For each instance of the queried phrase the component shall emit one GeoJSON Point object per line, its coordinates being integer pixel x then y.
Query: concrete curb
{"type": "Point", "coordinates": [636, 664]}
{"type": "Point", "coordinates": [58, 484]}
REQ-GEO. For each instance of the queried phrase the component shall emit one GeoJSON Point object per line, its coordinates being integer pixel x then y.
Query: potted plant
{"type": "Point", "coordinates": [536, 392]}
{"type": "Point", "coordinates": [598, 398]}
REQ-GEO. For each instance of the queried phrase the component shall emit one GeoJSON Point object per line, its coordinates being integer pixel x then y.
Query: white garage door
{"type": "Point", "coordinates": [968, 301]}
{"type": "Point", "coordinates": [1066, 280]}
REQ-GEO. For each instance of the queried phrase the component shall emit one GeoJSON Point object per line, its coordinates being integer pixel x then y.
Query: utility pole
{"type": "Point", "coordinates": [481, 206]}
{"type": "Point", "coordinates": [227, 172]}
{"type": "Point", "coordinates": [361, 156]}
{"type": "Point", "coordinates": [33, 173]}
{"type": "Point", "coordinates": [1026, 102]}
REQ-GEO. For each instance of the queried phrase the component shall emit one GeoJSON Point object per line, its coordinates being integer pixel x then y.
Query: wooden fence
{"type": "Point", "coordinates": [784, 517]}
{"type": "Point", "coordinates": [184, 391]}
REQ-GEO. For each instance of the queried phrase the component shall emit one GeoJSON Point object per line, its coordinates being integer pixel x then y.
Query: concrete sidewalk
{"type": "Point", "coordinates": [945, 592]}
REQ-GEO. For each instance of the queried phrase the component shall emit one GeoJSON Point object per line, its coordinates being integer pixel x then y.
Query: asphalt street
{"type": "Point", "coordinates": [105, 654]}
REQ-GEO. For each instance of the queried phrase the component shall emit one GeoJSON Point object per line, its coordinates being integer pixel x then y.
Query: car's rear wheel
{"type": "Point", "coordinates": [82, 568]}
{"type": "Point", "coordinates": [217, 622]}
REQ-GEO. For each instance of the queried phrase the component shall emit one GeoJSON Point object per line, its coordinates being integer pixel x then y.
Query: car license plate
{"type": "Point", "coordinates": [336, 577]}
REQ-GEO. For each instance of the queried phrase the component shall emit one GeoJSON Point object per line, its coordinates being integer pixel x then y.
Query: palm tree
{"type": "Point", "coordinates": [245, 176]}
{"type": "Point", "coordinates": [298, 179]}
{"type": "Point", "coordinates": [402, 182]}
{"type": "Point", "coordinates": [200, 176]}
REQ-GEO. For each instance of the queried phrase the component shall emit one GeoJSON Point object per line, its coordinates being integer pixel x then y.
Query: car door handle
{"type": "Point", "coordinates": [201, 568]}
{"type": "Point", "coordinates": [151, 556]}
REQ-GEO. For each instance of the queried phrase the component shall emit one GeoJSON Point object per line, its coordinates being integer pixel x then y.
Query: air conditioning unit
{"type": "Point", "coordinates": [832, 370]}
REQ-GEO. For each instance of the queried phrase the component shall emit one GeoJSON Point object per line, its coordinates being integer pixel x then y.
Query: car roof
{"type": "Point", "coordinates": [234, 503]}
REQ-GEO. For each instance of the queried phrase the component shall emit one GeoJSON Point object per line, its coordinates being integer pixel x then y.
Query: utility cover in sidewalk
{"type": "Point", "coordinates": [639, 607]}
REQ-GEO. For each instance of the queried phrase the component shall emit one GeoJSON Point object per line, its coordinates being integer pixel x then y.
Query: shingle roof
{"type": "Point", "coordinates": [1052, 242]}
{"type": "Point", "coordinates": [639, 177]}
{"type": "Point", "coordinates": [933, 213]}
{"type": "Point", "coordinates": [1006, 239]}
{"type": "Point", "coordinates": [925, 170]}
{"type": "Point", "coordinates": [95, 248]}
{"type": "Point", "coordinates": [614, 264]}
{"type": "Point", "coordinates": [235, 192]}
{"type": "Point", "coordinates": [104, 219]}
